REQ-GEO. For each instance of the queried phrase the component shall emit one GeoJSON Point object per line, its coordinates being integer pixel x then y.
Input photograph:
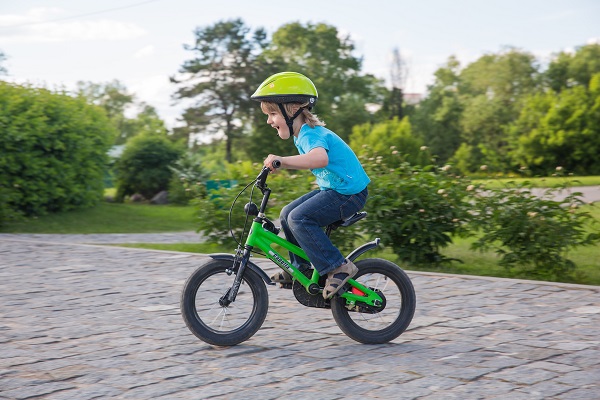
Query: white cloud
{"type": "Point", "coordinates": [157, 91]}
{"type": "Point", "coordinates": [44, 25]}
{"type": "Point", "coordinates": [33, 16]}
{"type": "Point", "coordinates": [144, 52]}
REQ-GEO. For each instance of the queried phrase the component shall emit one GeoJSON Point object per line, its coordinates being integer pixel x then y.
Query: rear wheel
{"type": "Point", "coordinates": [210, 318]}
{"type": "Point", "coordinates": [381, 325]}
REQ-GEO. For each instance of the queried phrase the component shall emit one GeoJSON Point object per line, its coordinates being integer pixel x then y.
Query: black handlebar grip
{"type": "Point", "coordinates": [276, 164]}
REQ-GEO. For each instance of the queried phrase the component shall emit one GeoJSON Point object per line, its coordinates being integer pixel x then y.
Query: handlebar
{"type": "Point", "coordinates": [261, 179]}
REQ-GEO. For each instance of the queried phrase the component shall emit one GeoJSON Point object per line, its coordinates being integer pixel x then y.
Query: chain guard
{"type": "Point", "coordinates": [367, 309]}
{"type": "Point", "coordinates": [307, 299]}
{"type": "Point", "coordinates": [317, 300]}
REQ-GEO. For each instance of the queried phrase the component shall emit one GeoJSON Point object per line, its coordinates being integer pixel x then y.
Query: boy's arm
{"type": "Point", "coordinates": [316, 158]}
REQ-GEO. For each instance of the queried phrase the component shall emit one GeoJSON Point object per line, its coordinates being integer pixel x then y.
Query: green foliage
{"type": "Point", "coordinates": [415, 210]}
{"type": "Point", "coordinates": [393, 135]}
{"type": "Point", "coordinates": [3, 70]}
{"type": "Point", "coordinates": [220, 79]}
{"type": "Point", "coordinates": [467, 159]}
{"type": "Point", "coordinates": [326, 57]}
{"type": "Point", "coordinates": [498, 111]}
{"type": "Point", "coordinates": [532, 232]}
{"type": "Point", "coordinates": [52, 152]}
{"type": "Point", "coordinates": [560, 129]}
{"type": "Point", "coordinates": [436, 120]}
{"type": "Point", "coordinates": [491, 89]}
{"type": "Point", "coordinates": [144, 166]}
{"type": "Point", "coordinates": [214, 209]}
{"type": "Point", "coordinates": [573, 69]}
{"type": "Point", "coordinates": [7, 212]}
{"type": "Point", "coordinates": [114, 98]}
{"type": "Point", "coordinates": [188, 179]}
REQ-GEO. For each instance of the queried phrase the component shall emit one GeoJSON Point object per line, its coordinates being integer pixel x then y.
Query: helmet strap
{"type": "Point", "coordinates": [289, 121]}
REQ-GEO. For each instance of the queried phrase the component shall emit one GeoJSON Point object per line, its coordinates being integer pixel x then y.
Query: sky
{"type": "Point", "coordinates": [141, 43]}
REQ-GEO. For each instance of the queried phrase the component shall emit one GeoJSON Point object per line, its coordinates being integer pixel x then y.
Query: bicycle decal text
{"type": "Point", "coordinates": [280, 261]}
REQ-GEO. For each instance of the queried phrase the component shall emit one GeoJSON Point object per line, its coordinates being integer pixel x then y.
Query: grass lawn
{"type": "Point", "coordinates": [549, 182]}
{"type": "Point", "coordinates": [587, 260]}
{"type": "Point", "coordinates": [110, 218]}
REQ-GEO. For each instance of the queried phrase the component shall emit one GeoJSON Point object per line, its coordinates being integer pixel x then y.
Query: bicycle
{"type": "Point", "coordinates": [374, 307]}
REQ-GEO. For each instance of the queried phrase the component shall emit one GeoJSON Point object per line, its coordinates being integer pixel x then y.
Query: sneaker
{"type": "Point", "coordinates": [282, 277]}
{"type": "Point", "coordinates": [337, 278]}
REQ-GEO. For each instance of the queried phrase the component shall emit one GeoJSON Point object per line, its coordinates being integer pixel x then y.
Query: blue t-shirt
{"type": "Point", "coordinates": [344, 173]}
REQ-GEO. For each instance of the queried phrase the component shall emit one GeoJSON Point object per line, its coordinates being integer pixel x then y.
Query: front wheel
{"type": "Point", "coordinates": [211, 319]}
{"type": "Point", "coordinates": [381, 325]}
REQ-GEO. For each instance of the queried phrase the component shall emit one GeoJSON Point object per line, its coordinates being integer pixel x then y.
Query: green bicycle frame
{"type": "Point", "coordinates": [263, 239]}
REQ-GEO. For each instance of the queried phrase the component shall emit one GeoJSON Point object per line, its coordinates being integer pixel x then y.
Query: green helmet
{"type": "Point", "coordinates": [287, 87]}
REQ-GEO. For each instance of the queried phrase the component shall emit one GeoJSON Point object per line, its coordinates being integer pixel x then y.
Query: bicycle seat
{"type": "Point", "coordinates": [348, 221]}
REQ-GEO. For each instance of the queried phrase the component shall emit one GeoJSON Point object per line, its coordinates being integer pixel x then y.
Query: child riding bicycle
{"type": "Point", "coordinates": [287, 99]}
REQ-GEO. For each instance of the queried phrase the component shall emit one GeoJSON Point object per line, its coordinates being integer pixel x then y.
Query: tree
{"type": "Point", "coordinates": [491, 89]}
{"type": "Point", "coordinates": [219, 80]}
{"type": "Point", "coordinates": [391, 142]}
{"type": "Point", "coordinates": [436, 120]}
{"type": "Point", "coordinates": [478, 102]}
{"type": "Point", "coordinates": [147, 122]}
{"type": "Point", "coordinates": [115, 99]}
{"type": "Point", "coordinates": [393, 104]}
{"type": "Point", "coordinates": [3, 70]}
{"type": "Point", "coordinates": [560, 130]}
{"type": "Point", "coordinates": [568, 69]}
{"type": "Point", "coordinates": [324, 55]}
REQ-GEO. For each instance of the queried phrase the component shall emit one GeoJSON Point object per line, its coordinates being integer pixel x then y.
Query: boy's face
{"type": "Point", "coordinates": [276, 120]}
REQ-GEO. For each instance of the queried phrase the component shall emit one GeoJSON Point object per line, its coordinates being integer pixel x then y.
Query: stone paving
{"type": "Point", "coordinates": [84, 321]}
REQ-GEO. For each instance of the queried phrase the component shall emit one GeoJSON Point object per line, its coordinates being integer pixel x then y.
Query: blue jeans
{"type": "Point", "coordinates": [302, 221]}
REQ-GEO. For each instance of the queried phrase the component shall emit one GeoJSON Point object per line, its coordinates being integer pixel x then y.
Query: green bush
{"type": "Point", "coordinates": [188, 179]}
{"type": "Point", "coordinates": [286, 185]}
{"type": "Point", "coordinates": [416, 210]}
{"type": "Point", "coordinates": [52, 151]}
{"type": "Point", "coordinates": [532, 232]}
{"type": "Point", "coordinates": [144, 166]}
{"type": "Point", "coordinates": [394, 134]}
{"type": "Point", "coordinates": [7, 211]}
{"type": "Point", "coordinates": [214, 208]}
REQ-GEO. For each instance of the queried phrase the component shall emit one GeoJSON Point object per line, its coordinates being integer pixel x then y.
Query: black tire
{"type": "Point", "coordinates": [393, 319]}
{"type": "Point", "coordinates": [223, 325]}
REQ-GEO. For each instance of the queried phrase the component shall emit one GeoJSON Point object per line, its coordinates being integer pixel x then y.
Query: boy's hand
{"type": "Point", "coordinates": [269, 161]}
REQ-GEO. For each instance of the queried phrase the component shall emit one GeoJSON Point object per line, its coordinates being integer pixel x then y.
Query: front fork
{"type": "Point", "coordinates": [239, 266]}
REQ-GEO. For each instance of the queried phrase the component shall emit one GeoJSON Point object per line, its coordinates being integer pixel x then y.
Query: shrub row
{"type": "Point", "coordinates": [52, 151]}
{"type": "Point", "coordinates": [416, 211]}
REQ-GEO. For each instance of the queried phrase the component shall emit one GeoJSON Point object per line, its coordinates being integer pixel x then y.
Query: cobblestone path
{"type": "Point", "coordinates": [88, 321]}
